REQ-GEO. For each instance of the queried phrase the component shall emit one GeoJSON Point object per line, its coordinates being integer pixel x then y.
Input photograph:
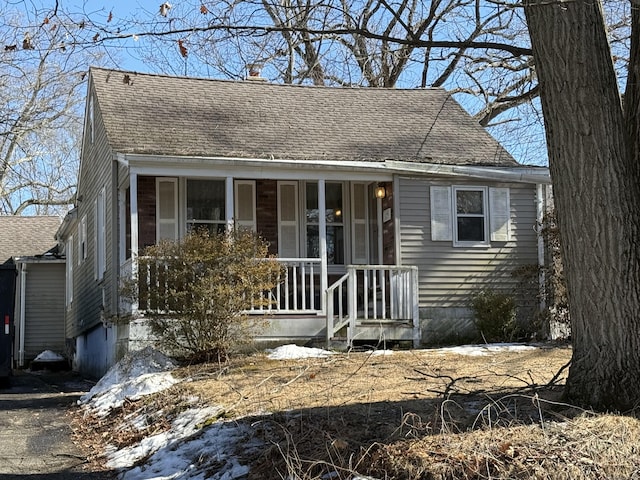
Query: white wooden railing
{"type": "Point", "coordinates": [372, 293]}
{"type": "Point", "coordinates": [298, 290]}
{"type": "Point", "coordinates": [365, 294]}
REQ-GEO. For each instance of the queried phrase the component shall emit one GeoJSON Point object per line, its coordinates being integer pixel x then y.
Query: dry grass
{"type": "Point", "coordinates": [256, 384]}
{"type": "Point", "coordinates": [415, 415]}
{"type": "Point", "coordinates": [338, 414]}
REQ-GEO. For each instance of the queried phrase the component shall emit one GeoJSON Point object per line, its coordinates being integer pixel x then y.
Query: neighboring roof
{"type": "Point", "coordinates": [26, 236]}
{"type": "Point", "coordinates": [181, 116]}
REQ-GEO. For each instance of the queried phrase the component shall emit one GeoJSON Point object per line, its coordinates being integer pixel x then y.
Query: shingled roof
{"type": "Point", "coordinates": [26, 236]}
{"type": "Point", "coordinates": [181, 116]}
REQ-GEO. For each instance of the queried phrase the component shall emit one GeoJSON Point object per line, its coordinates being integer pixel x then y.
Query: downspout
{"type": "Point", "coordinates": [23, 294]}
{"type": "Point", "coordinates": [540, 210]}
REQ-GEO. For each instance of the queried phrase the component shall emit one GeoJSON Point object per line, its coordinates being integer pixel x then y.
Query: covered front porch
{"type": "Point", "coordinates": [336, 239]}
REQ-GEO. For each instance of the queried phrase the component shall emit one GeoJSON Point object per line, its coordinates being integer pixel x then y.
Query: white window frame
{"type": "Point", "coordinates": [101, 235]}
{"type": "Point", "coordinates": [485, 216]}
{"type": "Point", "coordinates": [82, 240]}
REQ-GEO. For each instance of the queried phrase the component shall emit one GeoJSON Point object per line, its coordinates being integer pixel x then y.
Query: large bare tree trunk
{"type": "Point", "coordinates": [594, 173]}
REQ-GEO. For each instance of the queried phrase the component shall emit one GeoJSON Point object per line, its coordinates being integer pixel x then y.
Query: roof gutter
{"type": "Point", "coordinates": [519, 174]}
{"type": "Point", "coordinates": [144, 159]}
{"type": "Point", "coordinates": [536, 175]}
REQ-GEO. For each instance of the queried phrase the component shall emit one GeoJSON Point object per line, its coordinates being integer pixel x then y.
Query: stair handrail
{"type": "Point", "coordinates": [329, 306]}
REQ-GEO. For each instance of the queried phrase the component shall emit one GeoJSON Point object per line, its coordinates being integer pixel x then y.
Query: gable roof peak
{"type": "Point", "coordinates": [158, 114]}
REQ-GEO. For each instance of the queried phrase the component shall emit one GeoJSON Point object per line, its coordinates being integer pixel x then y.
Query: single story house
{"type": "Point", "coordinates": [36, 310]}
{"type": "Point", "coordinates": [389, 207]}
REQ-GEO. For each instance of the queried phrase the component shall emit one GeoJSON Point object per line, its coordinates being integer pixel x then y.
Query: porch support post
{"type": "Point", "coordinates": [322, 233]}
{"type": "Point", "coordinates": [133, 193]}
{"type": "Point", "coordinates": [380, 233]}
{"type": "Point", "coordinates": [122, 226]}
{"type": "Point", "coordinates": [396, 220]}
{"type": "Point", "coordinates": [415, 307]}
{"type": "Point", "coordinates": [229, 207]}
{"type": "Point", "coordinates": [133, 207]}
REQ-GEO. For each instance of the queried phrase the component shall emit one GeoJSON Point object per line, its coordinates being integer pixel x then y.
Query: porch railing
{"type": "Point", "coordinates": [298, 290]}
{"type": "Point", "coordinates": [372, 293]}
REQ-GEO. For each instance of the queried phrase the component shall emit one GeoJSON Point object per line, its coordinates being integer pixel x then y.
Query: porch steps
{"type": "Point", "coordinates": [377, 331]}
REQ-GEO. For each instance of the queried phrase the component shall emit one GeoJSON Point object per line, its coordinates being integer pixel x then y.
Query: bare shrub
{"type": "Point", "coordinates": [494, 314]}
{"type": "Point", "coordinates": [196, 291]}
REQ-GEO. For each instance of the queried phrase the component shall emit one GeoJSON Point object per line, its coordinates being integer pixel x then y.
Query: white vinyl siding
{"type": "Point", "coordinates": [245, 204]}
{"type": "Point", "coordinates": [91, 120]}
{"type": "Point", "coordinates": [448, 274]}
{"type": "Point", "coordinates": [166, 209]}
{"type": "Point", "coordinates": [288, 220]}
{"type": "Point", "coordinates": [44, 309]}
{"type": "Point", "coordinates": [100, 235]}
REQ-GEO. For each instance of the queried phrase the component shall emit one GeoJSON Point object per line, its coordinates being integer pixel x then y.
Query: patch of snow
{"type": "Point", "coordinates": [481, 350]}
{"type": "Point", "coordinates": [211, 455]}
{"type": "Point", "coordinates": [49, 356]}
{"type": "Point", "coordinates": [189, 451]}
{"type": "Point", "coordinates": [378, 353]}
{"type": "Point", "coordinates": [292, 352]}
{"type": "Point", "coordinates": [185, 425]}
{"type": "Point", "coordinates": [138, 374]}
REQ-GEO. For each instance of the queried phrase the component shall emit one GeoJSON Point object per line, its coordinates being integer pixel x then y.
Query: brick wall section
{"type": "Point", "coordinates": [267, 212]}
{"type": "Point", "coordinates": [146, 211]}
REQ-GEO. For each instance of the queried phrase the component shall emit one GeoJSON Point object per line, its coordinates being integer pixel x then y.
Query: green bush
{"type": "Point", "coordinates": [195, 291]}
{"type": "Point", "coordinates": [494, 315]}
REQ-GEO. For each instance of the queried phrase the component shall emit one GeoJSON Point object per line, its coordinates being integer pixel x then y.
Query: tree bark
{"type": "Point", "coordinates": [592, 157]}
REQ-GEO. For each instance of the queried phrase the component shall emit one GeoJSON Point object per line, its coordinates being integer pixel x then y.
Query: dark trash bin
{"type": "Point", "coordinates": [7, 296]}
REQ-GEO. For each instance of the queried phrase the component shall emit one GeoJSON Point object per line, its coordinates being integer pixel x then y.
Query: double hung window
{"type": "Point", "coordinates": [206, 205]}
{"type": "Point", "coordinates": [470, 225]}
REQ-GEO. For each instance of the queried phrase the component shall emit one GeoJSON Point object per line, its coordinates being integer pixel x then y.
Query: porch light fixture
{"type": "Point", "coordinates": [380, 192]}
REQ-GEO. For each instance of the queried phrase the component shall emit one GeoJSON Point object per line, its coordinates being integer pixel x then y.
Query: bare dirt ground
{"type": "Point", "coordinates": [423, 414]}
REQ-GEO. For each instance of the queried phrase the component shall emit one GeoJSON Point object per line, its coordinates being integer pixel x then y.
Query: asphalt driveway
{"type": "Point", "coordinates": [35, 436]}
